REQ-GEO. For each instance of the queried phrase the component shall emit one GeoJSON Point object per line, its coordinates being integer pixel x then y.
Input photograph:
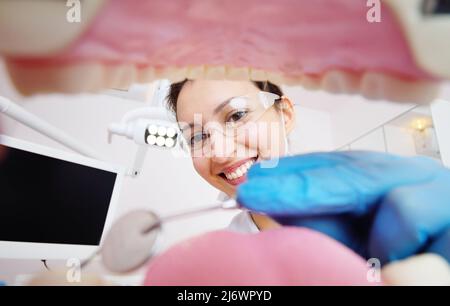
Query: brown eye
{"type": "Point", "coordinates": [198, 138]}
{"type": "Point", "coordinates": [236, 116]}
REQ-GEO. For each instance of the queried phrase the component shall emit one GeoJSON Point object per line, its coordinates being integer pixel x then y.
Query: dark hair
{"type": "Point", "coordinates": [175, 89]}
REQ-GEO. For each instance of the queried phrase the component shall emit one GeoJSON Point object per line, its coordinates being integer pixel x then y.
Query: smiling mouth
{"type": "Point", "coordinates": [238, 175]}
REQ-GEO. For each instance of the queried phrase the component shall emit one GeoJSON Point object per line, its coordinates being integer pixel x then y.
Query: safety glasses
{"type": "Point", "coordinates": [237, 115]}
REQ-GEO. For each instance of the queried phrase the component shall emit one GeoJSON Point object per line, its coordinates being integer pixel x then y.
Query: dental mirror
{"type": "Point", "coordinates": [132, 240]}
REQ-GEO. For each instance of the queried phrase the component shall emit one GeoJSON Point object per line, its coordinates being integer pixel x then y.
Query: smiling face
{"type": "Point", "coordinates": [230, 129]}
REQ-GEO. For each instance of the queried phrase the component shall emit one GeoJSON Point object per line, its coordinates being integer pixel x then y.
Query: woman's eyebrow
{"type": "Point", "coordinates": [215, 111]}
{"type": "Point", "coordinates": [222, 105]}
{"type": "Point", "coordinates": [190, 126]}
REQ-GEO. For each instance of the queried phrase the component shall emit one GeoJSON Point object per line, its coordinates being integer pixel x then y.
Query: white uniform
{"type": "Point", "coordinates": [243, 223]}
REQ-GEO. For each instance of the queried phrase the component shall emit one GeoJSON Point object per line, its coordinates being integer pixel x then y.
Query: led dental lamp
{"type": "Point", "coordinates": [150, 126]}
{"type": "Point", "coordinates": [147, 126]}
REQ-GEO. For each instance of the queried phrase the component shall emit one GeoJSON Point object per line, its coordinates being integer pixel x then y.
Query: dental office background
{"type": "Point", "coordinates": [169, 183]}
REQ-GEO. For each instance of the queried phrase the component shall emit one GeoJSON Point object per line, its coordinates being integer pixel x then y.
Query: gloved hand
{"type": "Point", "coordinates": [380, 205]}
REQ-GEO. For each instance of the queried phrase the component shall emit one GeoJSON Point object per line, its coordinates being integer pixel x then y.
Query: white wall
{"type": "Point", "coordinates": [440, 110]}
{"type": "Point", "coordinates": [399, 140]}
{"type": "Point", "coordinates": [359, 116]}
{"type": "Point", "coordinates": [313, 131]}
{"type": "Point", "coordinates": [348, 116]}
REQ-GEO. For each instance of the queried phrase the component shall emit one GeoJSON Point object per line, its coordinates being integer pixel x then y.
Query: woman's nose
{"type": "Point", "coordinates": [222, 147]}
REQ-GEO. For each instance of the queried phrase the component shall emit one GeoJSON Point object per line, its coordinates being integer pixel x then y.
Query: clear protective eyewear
{"type": "Point", "coordinates": [237, 115]}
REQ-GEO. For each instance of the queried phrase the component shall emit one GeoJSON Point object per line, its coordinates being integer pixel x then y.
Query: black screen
{"type": "Point", "coordinates": [47, 200]}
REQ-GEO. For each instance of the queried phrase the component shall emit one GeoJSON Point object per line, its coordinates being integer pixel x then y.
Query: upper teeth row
{"type": "Point", "coordinates": [239, 171]}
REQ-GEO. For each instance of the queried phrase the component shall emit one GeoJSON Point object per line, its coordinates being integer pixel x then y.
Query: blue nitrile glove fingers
{"type": "Point", "coordinates": [410, 220]}
{"type": "Point", "coordinates": [441, 244]}
{"type": "Point", "coordinates": [318, 183]}
{"type": "Point", "coordinates": [407, 199]}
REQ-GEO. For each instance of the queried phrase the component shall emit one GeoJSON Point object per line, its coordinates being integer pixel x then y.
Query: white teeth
{"type": "Point", "coordinates": [91, 77]}
{"type": "Point", "coordinates": [258, 75]}
{"type": "Point", "coordinates": [382, 86]}
{"type": "Point", "coordinates": [215, 73]}
{"type": "Point", "coordinates": [196, 72]}
{"type": "Point", "coordinates": [275, 77]}
{"type": "Point", "coordinates": [239, 172]}
{"type": "Point", "coordinates": [336, 81]}
{"type": "Point", "coordinates": [238, 74]}
{"type": "Point", "coordinates": [174, 74]}
{"type": "Point", "coordinates": [242, 170]}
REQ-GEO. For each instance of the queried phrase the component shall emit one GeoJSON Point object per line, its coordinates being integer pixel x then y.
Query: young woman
{"type": "Point", "coordinates": [229, 125]}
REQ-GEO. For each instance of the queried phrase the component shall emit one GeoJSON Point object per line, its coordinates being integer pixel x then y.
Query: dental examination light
{"type": "Point", "coordinates": [21, 115]}
{"type": "Point", "coordinates": [149, 126]}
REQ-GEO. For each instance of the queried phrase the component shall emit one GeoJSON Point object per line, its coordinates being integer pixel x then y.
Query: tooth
{"type": "Point", "coordinates": [381, 86]}
{"type": "Point", "coordinates": [215, 72]}
{"type": "Point", "coordinates": [275, 78]}
{"type": "Point", "coordinates": [238, 74]}
{"type": "Point", "coordinates": [172, 73]}
{"type": "Point", "coordinates": [337, 81]}
{"type": "Point", "coordinates": [419, 270]}
{"type": "Point", "coordinates": [239, 173]}
{"type": "Point", "coordinates": [258, 75]}
{"type": "Point", "coordinates": [291, 81]}
{"type": "Point", "coordinates": [127, 75]}
{"type": "Point", "coordinates": [113, 76]}
{"type": "Point", "coordinates": [310, 82]}
{"type": "Point", "coordinates": [78, 78]}
{"type": "Point", "coordinates": [196, 72]}
{"type": "Point", "coordinates": [146, 75]}
{"type": "Point", "coordinates": [38, 28]}
{"type": "Point", "coordinates": [233, 176]}
{"type": "Point", "coordinates": [373, 85]}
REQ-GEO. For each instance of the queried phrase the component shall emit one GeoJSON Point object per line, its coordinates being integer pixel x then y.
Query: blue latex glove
{"type": "Point", "coordinates": [380, 205]}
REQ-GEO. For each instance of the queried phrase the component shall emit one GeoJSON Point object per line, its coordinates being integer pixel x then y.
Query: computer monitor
{"type": "Point", "coordinates": [53, 204]}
